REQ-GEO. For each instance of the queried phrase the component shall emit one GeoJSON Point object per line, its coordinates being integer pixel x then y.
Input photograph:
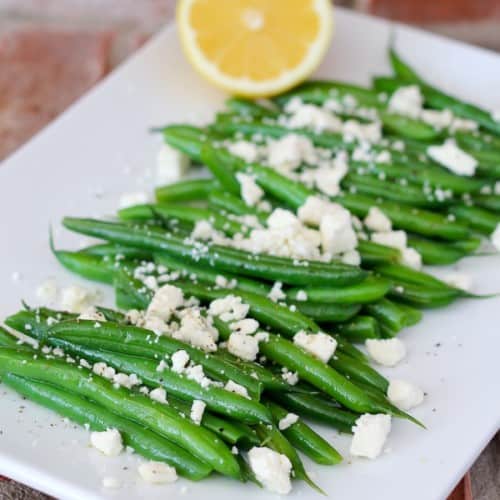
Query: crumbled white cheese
{"type": "Point", "coordinates": [179, 360]}
{"type": "Point", "coordinates": [354, 130]}
{"type": "Point", "coordinates": [245, 150]}
{"type": "Point", "coordinates": [236, 388]}
{"type": "Point", "coordinates": [377, 221]}
{"type": "Point", "coordinates": [157, 472]}
{"type": "Point", "coordinates": [320, 345]}
{"type": "Point", "coordinates": [411, 258]}
{"type": "Point", "coordinates": [352, 258]}
{"type": "Point", "coordinates": [132, 199]}
{"type": "Point", "coordinates": [203, 230]}
{"type": "Point", "coordinates": [495, 237]}
{"type": "Point", "coordinates": [195, 372]}
{"type": "Point", "coordinates": [289, 377]}
{"type": "Point", "coordinates": [327, 178]}
{"type": "Point", "coordinates": [386, 352]}
{"type": "Point", "coordinates": [245, 326]}
{"type": "Point", "coordinates": [197, 410]}
{"type": "Point", "coordinates": [310, 116]}
{"type": "Point", "coordinates": [102, 369]}
{"type": "Point", "coordinates": [453, 158]}
{"type": "Point", "coordinates": [272, 469]}
{"type": "Point", "coordinates": [313, 209]}
{"type": "Point", "coordinates": [196, 330]}
{"type": "Point", "coordinates": [250, 191]}
{"type": "Point", "coordinates": [92, 314]}
{"type": "Point", "coordinates": [76, 299]}
{"type": "Point", "coordinates": [369, 435]}
{"type": "Point", "coordinates": [437, 118]}
{"type": "Point", "coordinates": [47, 291]}
{"type": "Point", "coordinates": [287, 421]}
{"type": "Point", "coordinates": [404, 395]}
{"type": "Point", "coordinates": [290, 151]}
{"type": "Point", "coordinates": [459, 280]}
{"type": "Point", "coordinates": [229, 308]}
{"type": "Point", "coordinates": [276, 294]}
{"type": "Point", "coordinates": [337, 233]}
{"type": "Point", "coordinates": [301, 296]}
{"type": "Point", "coordinates": [108, 442]}
{"type": "Point", "coordinates": [393, 239]}
{"type": "Point", "coordinates": [164, 302]}
{"type": "Point", "coordinates": [159, 395]}
{"type": "Point", "coordinates": [243, 346]}
{"type": "Point", "coordinates": [171, 165]}
{"type": "Point", "coordinates": [406, 101]}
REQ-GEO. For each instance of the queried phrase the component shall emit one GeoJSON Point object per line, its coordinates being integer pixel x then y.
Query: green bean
{"type": "Point", "coordinates": [408, 127]}
{"type": "Point", "coordinates": [222, 258]}
{"type": "Point", "coordinates": [424, 174]}
{"type": "Point", "coordinates": [231, 432]}
{"type": "Point", "coordinates": [249, 108]}
{"type": "Point", "coordinates": [402, 70]}
{"type": "Point", "coordinates": [405, 274]}
{"type": "Point", "coordinates": [186, 138]}
{"type": "Point", "coordinates": [319, 91]}
{"type": "Point", "coordinates": [369, 290]}
{"type": "Point", "coordinates": [487, 201]}
{"type": "Point", "coordinates": [115, 251]}
{"type": "Point", "coordinates": [358, 371]}
{"type": "Point", "coordinates": [360, 328]}
{"type": "Point", "coordinates": [388, 314]}
{"type": "Point", "coordinates": [186, 190]}
{"type": "Point", "coordinates": [435, 252]}
{"type": "Point", "coordinates": [326, 313]}
{"type": "Point", "coordinates": [161, 419]}
{"type": "Point", "coordinates": [223, 200]}
{"type": "Point", "coordinates": [217, 399]}
{"type": "Point", "coordinates": [407, 195]}
{"type": "Point", "coordinates": [144, 213]}
{"type": "Point", "coordinates": [421, 296]}
{"type": "Point", "coordinates": [373, 253]}
{"type": "Point", "coordinates": [305, 439]}
{"type": "Point", "coordinates": [344, 346]}
{"type": "Point", "coordinates": [410, 219]}
{"type": "Point", "coordinates": [324, 377]}
{"type": "Point", "coordinates": [130, 293]}
{"type": "Point", "coordinates": [84, 412]}
{"type": "Point", "coordinates": [469, 246]}
{"type": "Point", "coordinates": [480, 219]}
{"type": "Point", "coordinates": [136, 341]}
{"type": "Point", "coordinates": [319, 409]}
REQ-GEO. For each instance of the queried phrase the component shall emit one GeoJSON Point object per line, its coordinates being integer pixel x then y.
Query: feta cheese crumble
{"type": "Point", "coordinates": [290, 152]}
{"type": "Point", "coordinates": [404, 395]}
{"type": "Point", "coordinates": [229, 308]}
{"type": "Point", "coordinates": [108, 442]}
{"type": "Point", "coordinates": [197, 410]}
{"type": "Point", "coordinates": [407, 101]}
{"type": "Point", "coordinates": [272, 469]}
{"type": "Point", "coordinates": [243, 346]}
{"type": "Point", "coordinates": [236, 388]}
{"type": "Point", "coordinates": [411, 258]}
{"type": "Point", "coordinates": [245, 150]}
{"type": "Point", "coordinates": [76, 299]}
{"type": "Point", "coordinates": [320, 345]}
{"type": "Point", "coordinates": [287, 421]}
{"type": "Point", "coordinates": [171, 165]}
{"type": "Point", "coordinates": [250, 191]}
{"type": "Point", "coordinates": [393, 239]}
{"type": "Point", "coordinates": [377, 221]}
{"type": "Point", "coordinates": [159, 395]}
{"type": "Point", "coordinates": [47, 291]}
{"type": "Point", "coordinates": [369, 435]}
{"type": "Point", "coordinates": [456, 160]}
{"type": "Point", "coordinates": [157, 472]}
{"type": "Point", "coordinates": [386, 352]}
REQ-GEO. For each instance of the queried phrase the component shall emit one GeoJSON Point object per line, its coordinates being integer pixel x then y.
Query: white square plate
{"type": "Point", "coordinates": [101, 148]}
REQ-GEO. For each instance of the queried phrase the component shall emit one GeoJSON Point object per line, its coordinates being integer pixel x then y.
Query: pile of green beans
{"type": "Point", "coordinates": [445, 216]}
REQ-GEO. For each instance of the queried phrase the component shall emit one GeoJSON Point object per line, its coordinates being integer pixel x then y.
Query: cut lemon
{"type": "Point", "coordinates": [255, 48]}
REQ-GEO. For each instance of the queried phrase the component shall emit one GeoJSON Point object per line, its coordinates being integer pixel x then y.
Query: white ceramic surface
{"type": "Point", "coordinates": [101, 147]}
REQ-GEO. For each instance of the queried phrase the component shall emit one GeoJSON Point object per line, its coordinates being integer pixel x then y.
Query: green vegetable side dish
{"type": "Point", "coordinates": [241, 297]}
